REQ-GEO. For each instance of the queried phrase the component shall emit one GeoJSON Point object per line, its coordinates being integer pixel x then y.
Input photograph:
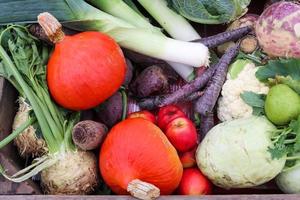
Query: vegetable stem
{"type": "Point", "coordinates": [16, 132]}
{"type": "Point", "coordinates": [124, 103]}
{"type": "Point", "coordinates": [53, 145]}
{"type": "Point", "coordinates": [293, 158]}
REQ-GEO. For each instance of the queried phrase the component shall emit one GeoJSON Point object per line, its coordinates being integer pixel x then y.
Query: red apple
{"type": "Point", "coordinates": [168, 113]}
{"type": "Point", "coordinates": [193, 182]}
{"type": "Point", "coordinates": [145, 114]}
{"type": "Point", "coordinates": [182, 133]}
{"type": "Point", "coordinates": [188, 158]}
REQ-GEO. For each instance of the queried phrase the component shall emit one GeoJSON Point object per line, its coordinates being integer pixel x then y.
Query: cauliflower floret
{"type": "Point", "coordinates": [231, 105]}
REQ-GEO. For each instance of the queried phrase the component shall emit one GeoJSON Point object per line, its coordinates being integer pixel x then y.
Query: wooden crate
{"type": "Point", "coordinates": [29, 190]}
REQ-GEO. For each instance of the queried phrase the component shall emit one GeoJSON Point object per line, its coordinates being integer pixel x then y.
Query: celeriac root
{"type": "Point", "coordinates": [27, 142]}
{"type": "Point", "coordinates": [74, 173]}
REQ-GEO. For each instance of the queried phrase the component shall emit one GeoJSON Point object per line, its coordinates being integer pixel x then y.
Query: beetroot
{"type": "Point", "coordinates": [278, 30]}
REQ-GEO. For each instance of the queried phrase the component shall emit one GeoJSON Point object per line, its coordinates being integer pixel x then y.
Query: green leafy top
{"type": "Point", "coordinates": [210, 12]}
{"type": "Point", "coordinates": [286, 71]}
{"type": "Point", "coordinates": [256, 101]}
{"type": "Point", "coordinates": [286, 142]}
{"type": "Point", "coordinates": [23, 62]}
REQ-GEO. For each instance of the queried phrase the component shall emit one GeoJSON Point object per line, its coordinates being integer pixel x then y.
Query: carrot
{"type": "Point", "coordinates": [207, 122]}
{"type": "Point", "coordinates": [221, 38]}
{"type": "Point", "coordinates": [207, 101]}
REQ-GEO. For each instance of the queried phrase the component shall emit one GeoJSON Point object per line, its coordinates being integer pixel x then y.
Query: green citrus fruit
{"type": "Point", "coordinates": [282, 104]}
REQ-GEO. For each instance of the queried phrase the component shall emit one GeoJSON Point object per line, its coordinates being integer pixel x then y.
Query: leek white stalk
{"type": "Point", "coordinates": [177, 26]}
{"type": "Point", "coordinates": [195, 54]}
{"type": "Point", "coordinates": [120, 9]}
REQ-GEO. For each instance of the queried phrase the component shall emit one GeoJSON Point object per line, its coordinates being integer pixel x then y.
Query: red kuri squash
{"type": "Point", "coordinates": [136, 149]}
{"type": "Point", "coordinates": [84, 69]}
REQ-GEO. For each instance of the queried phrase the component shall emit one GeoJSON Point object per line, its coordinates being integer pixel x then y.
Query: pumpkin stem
{"type": "Point", "coordinates": [51, 26]}
{"type": "Point", "coordinates": [143, 190]}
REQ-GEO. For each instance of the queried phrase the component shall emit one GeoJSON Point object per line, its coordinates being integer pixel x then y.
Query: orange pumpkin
{"type": "Point", "coordinates": [138, 149]}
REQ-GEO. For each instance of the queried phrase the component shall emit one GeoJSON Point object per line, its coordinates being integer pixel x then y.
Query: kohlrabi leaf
{"type": "Point", "coordinates": [279, 149]}
{"type": "Point", "coordinates": [286, 71]}
{"type": "Point", "coordinates": [256, 101]}
{"type": "Point", "coordinates": [283, 67]}
{"type": "Point", "coordinates": [210, 12]}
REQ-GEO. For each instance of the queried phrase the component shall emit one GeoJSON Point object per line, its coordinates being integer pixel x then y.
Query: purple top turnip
{"type": "Point", "coordinates": [278, 30]}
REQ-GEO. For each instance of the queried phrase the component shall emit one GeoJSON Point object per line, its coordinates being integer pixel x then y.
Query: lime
{"type": "Point", "coordinates": [282, 104]}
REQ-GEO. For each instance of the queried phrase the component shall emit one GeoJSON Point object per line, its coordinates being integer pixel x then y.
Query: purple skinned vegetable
{"type": "Point", "coordinates": [206, 123]}
{"type": "Point", "coordinates": [221, 38]}
{"type": "Point", "coordinates": [206, 103]}
{"type": "Point", "coordinates": [180, 94]}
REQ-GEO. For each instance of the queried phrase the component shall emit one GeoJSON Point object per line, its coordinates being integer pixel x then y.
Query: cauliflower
{"type": "Point", "coordinates": [231, 105]}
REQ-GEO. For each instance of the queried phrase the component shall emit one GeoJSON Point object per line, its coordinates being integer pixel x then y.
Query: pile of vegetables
{"type": "Point", "coordinates": [165, 110]}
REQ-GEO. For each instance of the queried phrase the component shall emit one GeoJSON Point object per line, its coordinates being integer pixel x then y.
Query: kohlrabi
{"type": "Point", "coordinates": [235, 154]}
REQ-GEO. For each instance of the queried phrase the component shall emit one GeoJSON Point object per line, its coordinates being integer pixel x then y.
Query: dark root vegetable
{"type": "Point", "coordinates": [74, 173]}
{"type": "Point", "coordinates": [221, 38]}
{"type": "Point", "coordinates": [207, 101]}
{"type": "Point", "coordinates": [88, 134]}
{"type": "Point", "coordinates": [180, 94]}
{"type": "Point", "coordinates": [129, 73]}
{"type": "Point", "coordinates": [150, 81]}
{"type": "Point", "coordinates": [207, 122]}
{"type": "Point", "coordinates": [110, 112]}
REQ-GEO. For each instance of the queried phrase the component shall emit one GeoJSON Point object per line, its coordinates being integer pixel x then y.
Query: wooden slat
{"type": "Point", "coordinates": [213, 197]}
{"type": "Point", "coordinates": [9, 158]}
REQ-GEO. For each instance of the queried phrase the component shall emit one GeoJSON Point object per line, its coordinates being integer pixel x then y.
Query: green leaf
{"type": "Point", "coordinates": [286, 71]}
{"type": "Point", "coordinates": [295, 126]}
{"type": "Point", "coordinates": [258, 111]}
{"type": "Point", "coordinates": [279, 149]}
{"type": "Point", "coordinates": [210, 12]}
{"type": "Point", "coordinates": [282, 67]}
{"type": "Point", "coordinates": [256, 101]}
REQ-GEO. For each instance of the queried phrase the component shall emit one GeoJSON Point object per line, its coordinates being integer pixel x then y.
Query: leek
{"type": "Point", "coordinates": [81, 16]}
{"type": "Point", "coordinates": [177, 26]}
{"type": "Point", "coordinates": [120, 9]}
